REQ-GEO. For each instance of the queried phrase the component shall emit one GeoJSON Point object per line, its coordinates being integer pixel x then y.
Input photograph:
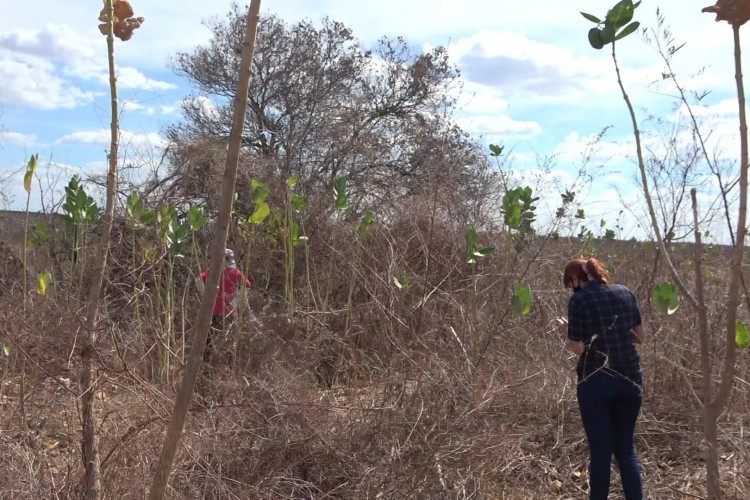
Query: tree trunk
{"type": "Point", "coordinates": [716, 406]}
{"type": "Point", "coordinates": [202, 322]}
{"type": "Point", "coordinates": [88, 380]}
{"type": "Point", "coordinates": [710, 425]}
{"type": "Point", "coordinates": [710, 434]}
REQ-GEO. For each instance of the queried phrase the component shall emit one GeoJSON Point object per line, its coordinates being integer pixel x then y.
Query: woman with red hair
{"type": "Point", "coordinates": [604, 326]}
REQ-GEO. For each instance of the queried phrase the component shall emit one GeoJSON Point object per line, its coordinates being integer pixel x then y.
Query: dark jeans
{"type": "Point", "coordinates": [609, 408]}
{"type": "Point", "coordinates": [219, 323]}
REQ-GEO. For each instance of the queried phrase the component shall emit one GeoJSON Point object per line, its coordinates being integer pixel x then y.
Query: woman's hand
{"type": "Point", "coordinates": [562, 327]}
{"type": "Point", "coordinates": [576, 347]}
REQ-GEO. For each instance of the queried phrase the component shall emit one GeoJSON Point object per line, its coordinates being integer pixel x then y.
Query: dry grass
{"type": "Point", "coordinates": [380, 400]}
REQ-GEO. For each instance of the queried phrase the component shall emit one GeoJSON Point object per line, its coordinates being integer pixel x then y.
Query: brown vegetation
{"type": "Point", "coordinates": [400, 371]}
{"type": "Point", "coordinates": [390, 406]}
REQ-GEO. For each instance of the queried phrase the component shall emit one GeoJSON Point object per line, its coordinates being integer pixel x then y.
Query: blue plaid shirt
{"type": "Point", "coordinates": [603, 316]}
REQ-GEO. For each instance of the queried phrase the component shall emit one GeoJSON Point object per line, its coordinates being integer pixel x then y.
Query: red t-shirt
{"type": "Point", "coordinates": [225, 300]}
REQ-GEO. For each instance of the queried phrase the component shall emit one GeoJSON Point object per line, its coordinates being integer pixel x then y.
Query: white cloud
{"type": "Point", "coordinates": [205, 104]}
{"type": "Point", "coordinates": [574, 148]}
{"type": "Point", "coordinates": [132, 106]}
{"type": "Point", "coordinates": [500, 126]}
{"type": "Point", "coordinates": [164, 110]}
{"type": "Point", "coordinates": [54, 41]}
{"type": "Point", "coordinates": [101, 138]}
{"type": "Point", "coordinates": [17, 138]}
{"type": "Point", "coordinates": [33, 83]}
{"type": "Point", "coordinates": [39, 67]}
{"type": "Point", "coordinates": [133, 79]}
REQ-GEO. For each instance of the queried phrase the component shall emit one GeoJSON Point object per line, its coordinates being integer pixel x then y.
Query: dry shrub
{"type": "Point", "coordinates": [437, 390]}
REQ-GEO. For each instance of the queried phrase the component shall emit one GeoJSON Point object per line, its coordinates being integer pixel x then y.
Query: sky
{"type": "Point", "coordinates": [530, 82]}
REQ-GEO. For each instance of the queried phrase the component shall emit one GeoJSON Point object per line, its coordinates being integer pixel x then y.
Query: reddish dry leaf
{"type": "Point", "coordinates": [735, 12]}
{"type": "Point", "coordinates": [124, 22]}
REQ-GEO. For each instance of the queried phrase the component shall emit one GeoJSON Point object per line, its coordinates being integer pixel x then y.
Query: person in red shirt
{"type": "Point", "coordinates": [231, 284]}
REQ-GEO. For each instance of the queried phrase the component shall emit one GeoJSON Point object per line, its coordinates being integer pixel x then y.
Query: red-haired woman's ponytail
{"type": "Point", "coordinates": [585, 270]}
{"type": "Point", "coordinates": [596, 270]}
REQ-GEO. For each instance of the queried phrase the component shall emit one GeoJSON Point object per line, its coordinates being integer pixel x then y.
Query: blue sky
{"type": "Point", "coordinates": [530, 81]}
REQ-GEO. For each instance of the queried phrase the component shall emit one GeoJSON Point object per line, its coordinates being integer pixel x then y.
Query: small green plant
{"type": "Point", "coordinates": [138, 218]}
{"type": "Point", "coordinates": [40, 234]}
{"type": "Point", "coordinates": [340, 192]}
{"type": "Point", "coordinates": [175, 231]}
{"type": "Point", "coordinates": [665, 298]}
{"type": "Point", "coordinates": [27, 178]}
{"type": "Point", "coordinates": [259, 195]}
{"type": "Point", "coordinates": [521, 300]}
{"type": "Point", "coordinates": [617, 24]}
{"type": "Point", "coordinates": [80, 211]}
{"type": "Point", "coordinates": [42, 282]}
{"type": "Point", "coordinates": [138, 215]}
{"type": "Point", "coordinates": [741, 337]}
{"type": "Point", "coordinates": [289, 228]}
{"type": "Point", "coordinates": [519, 214]}
{"type": "Point", "coordinates": [295, 204]}
{"type": "Point", "coordinates": [364, 225]}
{"type": "Point", "coordinates": [404, 282]}
{"type": "Point", "coordinates": [473, 250]}
{"type": "Point", "coordinates": [518, 209]}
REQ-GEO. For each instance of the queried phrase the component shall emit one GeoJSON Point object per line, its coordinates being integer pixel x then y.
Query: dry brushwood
{"type": "Point", "coordinates": [124, 22]}
{"type": "Point", "coordinates": [735, 12]}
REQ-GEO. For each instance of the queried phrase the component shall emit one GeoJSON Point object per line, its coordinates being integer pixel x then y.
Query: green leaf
{"type": "Point", "coordinates": [621, 14]}
{"type": "Point", "coordinates": [42, 282]}
{"type": "Point", "coordinates": [30, 169]}
{"type": "Point", "coordinates": [481, 252]}
{"type": "Point", "coordinates": [148, 217]}
{"type": "Point", "coordinates": [521, 300]}
{"type": "Point", "coordinates": [496, 150]}
{"type": "Point", "coordinates": [339, 192]}
{"type": "Point", "coordinates": [741, 337]}
{"type": "Point", "coordinates": [41, 229]}
{"type": "Point", "coordinates": [195, 218]}
{"type": "Point", "coordinates": [259, 215]}
{"type": "Point", "coordinates": [513, 215]}
{"type": "Point", "coordinates": [471, 244]}
{"type": "Point", "coordinates": [471, 237]}
{"type": "Point", "coordinates": [403, 283]}
{"type": "Point", "coordinates": [27, 181]}
{"type": "Point", "coordinates": [292, 181]}
{"type": "Point", "coordinates": [630, 28]}
{"type": "Point", "coordinates": [364, 226]}
{"type": "Point", "coordinates": [297, 240]}
{"type": "Point", "coordinates": [595, 38]}
{"type": "Point", "coordinates": [300, 203]}
{"type": "Point", "coordinates": [135, 206]}
{"type": "Point", "coordinates": [260, 191]}
{"type": "Point", "coordinates": [6, 348]}
{"type": "Point", "coordinates": [591, 18]}
{"type": "Point", "coordinates": [665, 298]}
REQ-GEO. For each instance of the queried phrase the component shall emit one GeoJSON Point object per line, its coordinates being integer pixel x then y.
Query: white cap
{"type": "Point", "coordinates": [229, 258]}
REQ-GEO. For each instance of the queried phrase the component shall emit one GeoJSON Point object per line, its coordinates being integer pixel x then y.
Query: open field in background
{"type": "Point", "coordinates": [435, 390]}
